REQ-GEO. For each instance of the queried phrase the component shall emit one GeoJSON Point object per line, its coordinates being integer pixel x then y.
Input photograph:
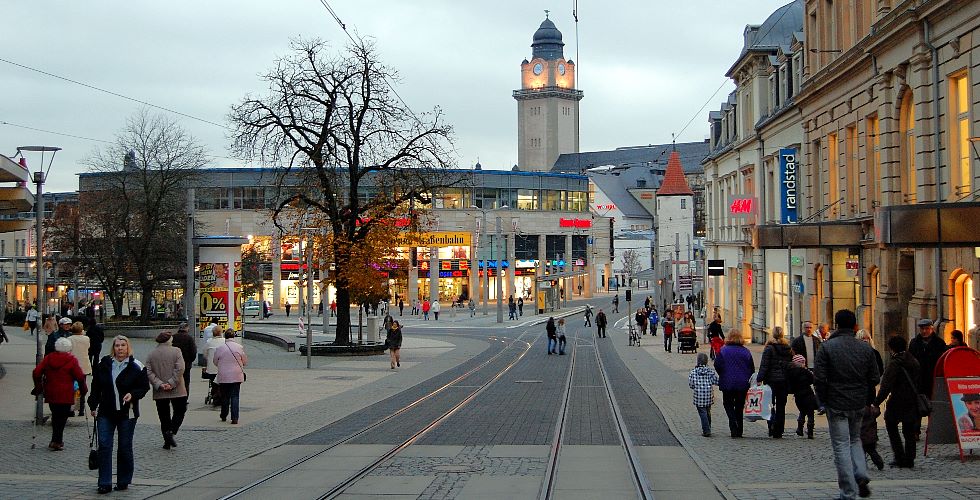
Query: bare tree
{"type": "Point", "coordinates": [133, 217]}
{"type": "Point", "coordinates": [355, 154]}
{"type": "Point", "coordinates": [631, 264]}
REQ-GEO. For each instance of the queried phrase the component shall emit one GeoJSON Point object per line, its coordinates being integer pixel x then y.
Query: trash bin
{"type": "Point", "coordinates": [372, 329]}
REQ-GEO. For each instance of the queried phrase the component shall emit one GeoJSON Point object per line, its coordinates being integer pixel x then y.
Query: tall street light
{"type": "Point", "coordinates": [486, 263]}
{"type": "Point", "coordinates": [38, 179]}
{"type": "Point", "coordinates": [499, 280]}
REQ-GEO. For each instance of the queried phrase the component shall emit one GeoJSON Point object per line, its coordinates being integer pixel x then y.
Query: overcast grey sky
{"type": "Point", "coordinates": [645, 66]}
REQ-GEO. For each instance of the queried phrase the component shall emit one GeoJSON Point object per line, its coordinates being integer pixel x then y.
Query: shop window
{"type": "Point", "coordinates": [508, 197]}
{"type": "Point", "coordinates": [580, 247]}
{"type": "Point", "coordinates": [959, 137]}
{"type": "Point", "coordinates": [779, 303]}
{"type": "Point", "coordinates": [485, 198]}
{"type": "Point", "coordinates": [526, 247]}
{"type": "Point", "coordinates": [906, 126]}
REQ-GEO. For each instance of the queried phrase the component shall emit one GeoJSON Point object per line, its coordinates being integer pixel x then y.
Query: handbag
{"type": "Point", "coordinates": [922, 403]}
{"type": "Point", "coordinates": [244, 375]}
{"type": "Point", "coordinates": [93, 445]}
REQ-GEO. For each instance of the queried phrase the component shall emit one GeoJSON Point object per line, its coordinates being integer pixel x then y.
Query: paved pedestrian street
{"type": "Point", "coordinates": [477, 410]}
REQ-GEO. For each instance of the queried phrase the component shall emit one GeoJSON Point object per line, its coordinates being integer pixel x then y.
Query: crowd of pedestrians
{"type": "Point", "coordinates": [835, 373]}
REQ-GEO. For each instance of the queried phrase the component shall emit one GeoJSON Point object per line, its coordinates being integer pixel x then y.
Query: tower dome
{"type": "Point", "coordinates": [547, 43]}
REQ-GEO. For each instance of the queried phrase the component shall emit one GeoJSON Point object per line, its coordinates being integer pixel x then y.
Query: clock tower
{"type": "Point", "coordinates": [547, 103]}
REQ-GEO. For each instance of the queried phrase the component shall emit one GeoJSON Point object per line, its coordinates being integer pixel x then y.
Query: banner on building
{"type": "Point", "coordinates": [788, 186]}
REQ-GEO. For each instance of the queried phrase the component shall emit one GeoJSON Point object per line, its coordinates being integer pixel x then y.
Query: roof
{"type": "Point", "coordinates": [674, 182]}
{"type": "Point", "coordinates": [777, 31]}
{"type": "Point", "coordinates": [547, 42]}
{"type": "Point", "coordinates": [615, 184]}
{"type": "Point", "coordinates": [651, 156]}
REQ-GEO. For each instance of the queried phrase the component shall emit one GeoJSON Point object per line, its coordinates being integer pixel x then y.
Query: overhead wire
{"type": "Point", "coordinates": [112, 93]}
{"type": "Point", "coordinates": [64, 134]}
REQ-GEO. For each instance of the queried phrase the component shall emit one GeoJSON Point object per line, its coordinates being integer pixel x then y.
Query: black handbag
{"type": "Point", "coordinates": [93, 447]}
{"type": "Point", "coordinates": [922, 403]}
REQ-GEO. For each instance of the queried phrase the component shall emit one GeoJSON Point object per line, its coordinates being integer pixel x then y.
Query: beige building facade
{"type": "Point", "coordinates": [884, 100]}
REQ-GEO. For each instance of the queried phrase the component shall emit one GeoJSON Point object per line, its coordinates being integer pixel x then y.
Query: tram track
{"type": "Point", "coordinates": [339, 488]}
{"type": "Point", "coordinates": [638, 477]}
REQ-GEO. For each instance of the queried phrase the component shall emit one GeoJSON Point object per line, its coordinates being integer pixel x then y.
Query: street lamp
{"type": "Point", "coordinates": [38, 179]}
{"type": "Point", "coordinates": [309, 292]}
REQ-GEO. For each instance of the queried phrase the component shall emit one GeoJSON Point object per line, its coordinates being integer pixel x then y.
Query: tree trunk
{"type": "Point", "coordinates": [147, 295]}
{"type": "Point", "coordinates": [343, 314]}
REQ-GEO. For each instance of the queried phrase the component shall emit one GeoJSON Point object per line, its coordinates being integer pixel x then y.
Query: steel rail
{"type": "Point", "coordinates": [342, 487]}
{"type": "Point", "coordinates": [293, 465]}
{"type": "Point", "coordinates": [548, 485]}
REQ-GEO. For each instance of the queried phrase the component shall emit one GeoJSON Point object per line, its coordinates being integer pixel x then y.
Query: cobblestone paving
{"type": "Point", "coordinates": [452, 472]}
{"type": "Point", "coordinates": [758, 467]}
{"type": "Point", "coordinates": [38, 473]}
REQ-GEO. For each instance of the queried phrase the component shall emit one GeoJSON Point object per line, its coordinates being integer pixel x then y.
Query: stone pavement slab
{"type": "Point", "coordinates": [804, 467]}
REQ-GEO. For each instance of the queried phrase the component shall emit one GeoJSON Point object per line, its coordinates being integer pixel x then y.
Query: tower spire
{"type": "Point", "coordinates": [546, 12]}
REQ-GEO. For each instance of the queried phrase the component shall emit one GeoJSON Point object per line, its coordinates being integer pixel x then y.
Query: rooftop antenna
{"type": "Point", "coordinates": [673, 142]}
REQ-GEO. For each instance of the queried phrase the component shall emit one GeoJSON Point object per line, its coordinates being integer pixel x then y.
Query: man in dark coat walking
{"type": "Point", "coordinates": [600, 323]}
{"type": "Point", "coordinates": [846, 374]}
{"type": "Point", "coordinates": [188, 350]}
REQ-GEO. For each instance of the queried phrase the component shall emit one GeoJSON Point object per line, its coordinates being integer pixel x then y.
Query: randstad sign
{"type": "Point", "coordinates": [789, 183]}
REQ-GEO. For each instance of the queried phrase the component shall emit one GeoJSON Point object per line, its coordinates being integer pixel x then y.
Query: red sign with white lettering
{"type": "Point", "coordinates": [741, 206]}
{"type": "Point", "coordinates": [581, 223]}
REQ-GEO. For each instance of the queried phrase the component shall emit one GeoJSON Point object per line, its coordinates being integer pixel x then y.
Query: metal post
{"type": "Point", "coordinates": [486, 266]}
{"type": "Point", "coordinates": [190, 300]}
{"type": "Point", "coordinates": [299, 293]}
{"type": "Point", "coordinates": [500, 283]}
{"type": "Point", "coordinates": [789, 291]}
{"type": "Point", "coordinates": [309, 302]}
{"type": "Point", "coordinates": [38, 222]}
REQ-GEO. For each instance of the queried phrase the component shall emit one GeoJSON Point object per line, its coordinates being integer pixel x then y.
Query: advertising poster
{"type": "Point", "coordinates": [213, 284]}
{"type": "Point", "coordinates": [239, 298]}
{"type": "Point", "coordinates": [964, 397]}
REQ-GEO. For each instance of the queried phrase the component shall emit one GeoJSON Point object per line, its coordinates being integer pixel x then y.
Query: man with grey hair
{"type": "Point", "coordinates": [806, 345]}
{"type": "Point", "coordinates": [926, 347]}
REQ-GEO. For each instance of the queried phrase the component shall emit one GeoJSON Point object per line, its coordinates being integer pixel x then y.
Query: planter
{"type": "Point", "coordinates": [327, 349]}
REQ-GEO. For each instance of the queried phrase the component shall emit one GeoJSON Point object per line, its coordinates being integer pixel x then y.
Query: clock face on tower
{"type": "Point", "coordinates": [538, 68]}
{"type": "Point", "coordinates": [561, 69]}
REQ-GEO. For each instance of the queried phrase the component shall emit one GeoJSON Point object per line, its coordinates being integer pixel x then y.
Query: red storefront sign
{"type": "Point", "coordinates": [580, 223]}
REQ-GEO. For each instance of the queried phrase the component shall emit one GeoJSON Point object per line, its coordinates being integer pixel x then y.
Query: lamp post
{"type": "Point", "coordinates": [38, 179]}
{"type": "Point", "coordinates": [500, 282]}
{"type": "Point", "coordinates": [309, 293]}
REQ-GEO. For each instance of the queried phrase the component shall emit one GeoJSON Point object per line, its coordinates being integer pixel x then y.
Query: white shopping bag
{"type": "Point", "coordinates": [758, 403]}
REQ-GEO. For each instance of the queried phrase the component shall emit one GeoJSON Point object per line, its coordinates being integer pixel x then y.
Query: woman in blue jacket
{"type": "Point", "coordinates": [735, 366]}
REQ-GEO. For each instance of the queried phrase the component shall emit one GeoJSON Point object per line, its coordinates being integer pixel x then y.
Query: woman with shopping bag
{"type": "Point", "coordinates": [776, 358]}
{"type": "Point", "coordinates": [734, 365]}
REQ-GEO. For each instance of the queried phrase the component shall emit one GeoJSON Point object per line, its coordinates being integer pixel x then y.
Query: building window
{"type": "Point", "coordinates": [959, 137]}
{"type": "Point", "coordinates": [962, 298]}
{"type": "Point", "coordinates": [852, 170]}
{"type": "Point", "coordinates": [873, 144]}
{"type": "Point", "coordinates": [550, 199]}
{"type": "Point", "coordinates": [797, 72]}
{"type": "Point", "coordinates": [816, 179]}
{"type": "Point", "coordinates": [683, 203]}
{"type": "Point", "coordinates": [450, 198]}
{"type": "Point", "coordinates": [250, 198]}
{"type": "Point", "coordinates": [485, 198]}
{"type": "Point", "coordinates": [833, 175]}
{"type": "Point", "coordinates": [3, 247]}
{"type": "Point", "coordinates": [527, 199]}
{"type": "Point", "coordinates": [907, 133]}
{"type": "Point", "coordinates": [773, 92]}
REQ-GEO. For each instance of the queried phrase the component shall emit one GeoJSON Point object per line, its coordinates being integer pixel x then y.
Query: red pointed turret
{"type": "Point", "coordinates": [674, 182]}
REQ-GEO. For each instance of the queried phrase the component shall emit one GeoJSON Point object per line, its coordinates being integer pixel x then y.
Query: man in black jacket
{"type": "Point", "coordinates": [188, 351]}
{"type": "Point", "coordinates": [846, 375]}
{"type": "Point", "coordinates": [927, 348]}
{"type": "Point", "coordinates": [96, 336]}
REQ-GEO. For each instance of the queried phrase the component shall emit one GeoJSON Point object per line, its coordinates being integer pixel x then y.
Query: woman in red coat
{"type": "Point", "coordinates": [59, 371]}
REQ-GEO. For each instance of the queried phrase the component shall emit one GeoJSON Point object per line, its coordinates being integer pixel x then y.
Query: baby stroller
{"type": "Point", "coordinates": [687, 340]}
{"type": "Point", "coordinates": [213, 397]}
